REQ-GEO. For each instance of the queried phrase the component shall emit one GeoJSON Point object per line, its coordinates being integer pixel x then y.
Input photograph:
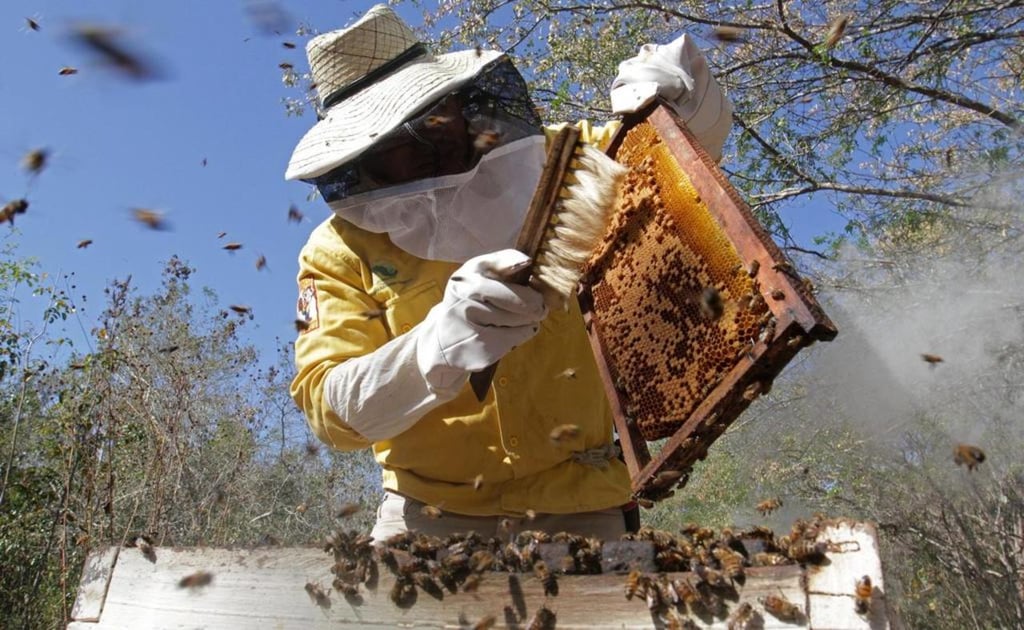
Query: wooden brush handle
{"type": "Point", "coordinates": [531, 236]}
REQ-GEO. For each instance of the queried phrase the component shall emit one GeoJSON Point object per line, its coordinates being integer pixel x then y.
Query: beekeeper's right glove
{"type": "Point", "coordinates": [479, 320]}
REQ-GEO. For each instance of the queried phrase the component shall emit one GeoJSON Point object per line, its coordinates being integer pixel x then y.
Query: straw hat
{"type": "Point", "coordinates": [371, 77]}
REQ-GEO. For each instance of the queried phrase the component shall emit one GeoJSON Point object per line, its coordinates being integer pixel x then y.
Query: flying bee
{"type": "Point", "coordinates": [85, 242]}
{"type": "Point", "coordinates": [546, 577]}
{"type": "Point", "coordinates": [931, 359]}
{"type": "Point", "coordinates": [232, 247]}
{"type": "Point", "coordinates": [486, 140]}
{"type": "Point", "coordinates": [564, 433]}
{"type": "Point", "coordinates": [318, 595]}
{"type": "Point", "coordinates": [284, 65]}
{"type": "Point", "coordinates": [566, 373]}
{"type": "Point", "coordinates": [430, 511]}
{"type": "Point", "coordinates": [32, 24]}
{"type": "Point", "coordinates": [728, 34]}
{"type": "Point", "coordinates": [241, 309]}
{"type": "Point", "coordinates": [153, 219]}
{"type": "Point", "coordinates": [438, 121]}
{"type": "Point", "coordinates": [196, 580]}
{"type": "Point", "coordinates": [505, 526]}
{"type": "Point", "coordinates": [221, 234]}
{"type": "Point", "coordinates": [294, 214]}
{"type": "Point", "coordinates": [261, 262]}
{"type": "Point", "coordinates": [768, 506]}
{"type": "Point", "coordinates": [862, 595]}
{"type": "Point", "coordinates": [348, 509]}
{"type": "Point", "coordinates": [743, 618]}
{"type": "Point", "coordinates": [781, 608]}
{"type": "Point", "coordinates": [543, 619]}
{"type": "Point", "coordinates": [18, 206]}
{"type": "Point", "coordinates": [35, 161]}
{"type": "Point", "coordinates": [103, 41]}
{"type": "Point", "coordinates": [67, 71]}
{"type": "Point", "coordinates": [732, 562]}
{"type": "Point", "coordinates": [288, 45]}
{"type": "Point", "coordinates": [530, 515]}
{"type": "Point", "coordinates": [836, 30]}
{"type": "Point", "coordinates": [478, 482]}
{"type": "Point", "coordinates": [966, 454]}
{"type": "Point", "coordinates": [711, 304]}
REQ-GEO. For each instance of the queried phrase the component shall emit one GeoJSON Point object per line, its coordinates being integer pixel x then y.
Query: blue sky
{"type": "Point", "coordinates": [116, 144]}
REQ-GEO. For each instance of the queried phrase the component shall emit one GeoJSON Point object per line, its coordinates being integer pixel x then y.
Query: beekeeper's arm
{"type": "Point", "coordinates": [357, 386]}
{"type": "Point", "coordinates": [678, 72]}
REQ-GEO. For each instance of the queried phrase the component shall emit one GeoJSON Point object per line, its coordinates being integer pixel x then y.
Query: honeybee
{"type": "Point", "coordinates": [486, 623]}
{"type": "Point", "coordinates": [732, 562]}
{"type": "Point", "coordinates": [11, 208]}
{"type": "Point", "coordinates": [768, 506]}
{"type": "Point", "coordinates": [966, 454]}
{"type": "Point", "coordinates": [543, 619]}
{"type": "Point", "coordinates": [836, 30]}
{"type": "Point", "coordinates": [294, 214]}
{"type": "Point", "coordinates": [241, 309]}
{"type": "Point", "coordinates": [438, 121]}
{"type": "Point", "coordinates": [288, 45]}
{"type": "Point", "coordinates": [486, 140]}
{"type": "Point", "coordinates": [146, 547]}
{"type": "Point", "coordinates": [546, 577]}
{"type": "Point", "coordinates": [505, 526]}
{"type": "Point", "coordinates": [687, 593]}
{"type": "Point", "coordinates": [862, 595]}
{"type": "Point", "coordinates": [564, 433]}
{"type": "Point", "coordinates": [318, 595]}
{"type": "Point", "coordinates": [768, 559]}
{"type": "Point", "coordinates": [348, 509]}
{"type": "Point", "coordinates": [478, 481]}
{"type": "Point", "coordinates": [634, 584]}
{"type": "Point", "coordinates": [35, 160]}
{"type": "Point", "coordinates": [931, 359]}
{"type": "Point", "coordinates": [67, 70]}
{"type": "Point", "coordinates": [261, 262]}
{"type": "Point", "coordinates": [778, 294]}
{"type": "Point", "coordinates": [231, 247]}
{"type": "Point", "coordinates": [196, 580]}
{"type": "Point", "coordinates": [728, 34]}
{"type": "Point", "coordinates": [301, 325]}
{"type": "Point", "coordinates": [221, 234]}
{"type": "Point", "coordinates": [403, 593]}
{"type": "Point", "coordinates": [85, 242]}
{"type": "Point", "coordinates": [566, 373]}
{"type": "Point", "coordinates": [710, 577]}
{"type": "Point", "coordinates": [284, 65]}
{"type": "Point", "coordinates": [752, 391]}
{"type": "Point", "coordinates": [472, 583]}
{"type": "Point", "coordinates": [530, 515]}
{"type": "Point", "coordinates": [429, 586]}
{"type": "Point", "coordinates": [711, 304]}
{"type": "Point", "coordinates": [743, 618]}
{"type": "Point", "coordinates": [781, 608]}
{"type": "Point", "coordinates": [807, 551]}
{"type": "Point", "coordinates": [430, 511]}
{"type": "Point", "coordinates": [32, 24]}
{"type": "Point", "coordinates": [153, 219]}
{"type": "Point", "coordinates": [755, 266]}
{"type": "Point", "coordinates": [667, 478]}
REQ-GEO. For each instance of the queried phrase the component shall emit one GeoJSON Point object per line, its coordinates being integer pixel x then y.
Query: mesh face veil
{"type": "Point", "coordinates": [451, 136]}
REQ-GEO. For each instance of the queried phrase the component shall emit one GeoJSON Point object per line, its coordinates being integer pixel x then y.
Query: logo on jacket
{"type": "Point", "coordinates": [306, 309]}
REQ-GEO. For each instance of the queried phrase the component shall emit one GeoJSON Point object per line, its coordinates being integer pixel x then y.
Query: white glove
{"type": "Point", "coordinates": [678, 72]}
{"type": "Point", "coordinates": [480, 319]}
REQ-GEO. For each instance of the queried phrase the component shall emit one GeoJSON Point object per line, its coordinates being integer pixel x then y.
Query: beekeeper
{"type": "Point", "coordinates": [428, 163]}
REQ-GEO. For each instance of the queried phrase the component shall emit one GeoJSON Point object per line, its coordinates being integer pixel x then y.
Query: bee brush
{"type": "Point", "coordinates": [567, 218]}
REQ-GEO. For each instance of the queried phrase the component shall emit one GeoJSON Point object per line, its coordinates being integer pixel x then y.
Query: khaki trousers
{"type": "Point", "coordinates": [398, 514]}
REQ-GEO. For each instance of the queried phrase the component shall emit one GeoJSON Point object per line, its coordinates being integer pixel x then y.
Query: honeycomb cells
{"type": "Point", "coordinates": [651, 280]}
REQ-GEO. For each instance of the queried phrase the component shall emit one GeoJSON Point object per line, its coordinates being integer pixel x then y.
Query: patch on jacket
{"type": "Point", "coordinates": [307, 310]}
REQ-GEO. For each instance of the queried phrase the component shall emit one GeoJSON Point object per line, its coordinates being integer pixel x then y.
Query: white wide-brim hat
{"type": "Point", "coordinates": [371, 77]}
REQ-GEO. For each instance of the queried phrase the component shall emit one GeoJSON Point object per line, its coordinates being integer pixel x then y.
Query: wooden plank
{"type": "Point", "coordinates": [830, 587]}
{"type": "Point", "coordinates": [92, 589]}
{"type": "Point", "coordinates": [265, 588]}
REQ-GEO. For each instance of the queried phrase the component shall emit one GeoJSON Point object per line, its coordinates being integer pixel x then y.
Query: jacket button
{"type": "Point", "coordinates": [503, 381]}
{"type": "Point", "coordinates": [513, 441]}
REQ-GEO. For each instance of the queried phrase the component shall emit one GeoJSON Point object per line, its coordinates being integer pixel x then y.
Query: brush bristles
{"type": "Point", "coordinates": [578, 224]}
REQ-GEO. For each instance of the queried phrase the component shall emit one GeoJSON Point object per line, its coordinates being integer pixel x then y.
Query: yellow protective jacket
{"type": "Point", "coordinates": [344, 272]}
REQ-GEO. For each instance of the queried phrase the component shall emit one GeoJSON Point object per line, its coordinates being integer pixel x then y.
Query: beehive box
{"type": "Point", "coordinates": [691, 308]}
{"type": "Point", "coordinates": [266, 588]}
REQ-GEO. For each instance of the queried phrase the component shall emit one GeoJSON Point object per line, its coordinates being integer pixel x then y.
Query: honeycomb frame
{"type": "Point", "coordinates": [688, 326]}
